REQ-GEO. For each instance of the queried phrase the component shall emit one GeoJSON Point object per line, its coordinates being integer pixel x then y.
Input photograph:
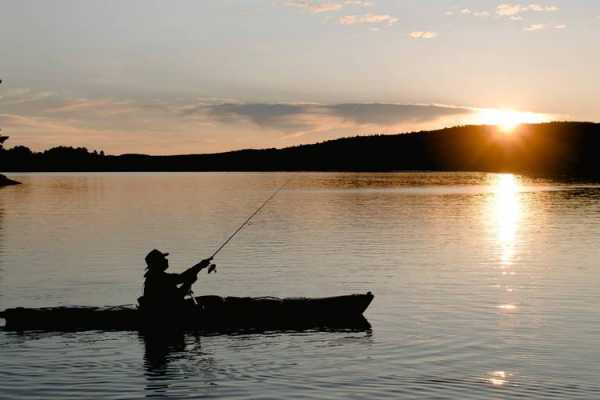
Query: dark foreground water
{"type": "Point", "coordinates": [487, 286]}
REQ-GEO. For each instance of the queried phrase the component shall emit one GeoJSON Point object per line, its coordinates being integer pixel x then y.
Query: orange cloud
{"type": "Point", "coordinates": [315, 6]}
{"type": "Point", "coordinates": [422, 35]}
{"type": "Point", "coordinates": [368, 19]}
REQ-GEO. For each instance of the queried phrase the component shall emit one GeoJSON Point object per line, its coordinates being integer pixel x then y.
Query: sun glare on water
{"type": "Point", "coordinates": [507, 120]}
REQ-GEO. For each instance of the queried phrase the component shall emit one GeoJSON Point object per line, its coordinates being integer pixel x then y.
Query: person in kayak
{"type": "Point", "coordinates": [164, 290]}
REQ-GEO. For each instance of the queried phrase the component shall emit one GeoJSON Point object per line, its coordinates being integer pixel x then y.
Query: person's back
{"type": "Point", "coordinates": [160, 289]}
{"type": "Point", "coordinates": [166, 291]}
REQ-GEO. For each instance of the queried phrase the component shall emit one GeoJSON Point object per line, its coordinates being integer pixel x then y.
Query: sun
{"type": "Point", "coordinates": [508, 120]}
{"type": "Point", "coordinates": [505, 120]}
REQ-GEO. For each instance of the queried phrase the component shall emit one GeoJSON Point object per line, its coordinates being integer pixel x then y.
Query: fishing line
{"type": "Point", "coordinates": [249, 218]}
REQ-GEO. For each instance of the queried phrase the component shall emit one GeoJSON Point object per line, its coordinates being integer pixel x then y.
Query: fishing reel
{"type": "Point", "coordinates": [212, 268]}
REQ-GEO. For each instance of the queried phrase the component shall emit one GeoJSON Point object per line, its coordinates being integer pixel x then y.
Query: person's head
{"type": "Point", "coordinates": [157, 261]}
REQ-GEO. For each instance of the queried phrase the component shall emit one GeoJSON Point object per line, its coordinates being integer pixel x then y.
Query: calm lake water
{"type": "Point", "coordinates": [486, 285]}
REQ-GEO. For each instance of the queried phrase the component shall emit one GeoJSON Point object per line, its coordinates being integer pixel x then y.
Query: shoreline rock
{"type": "Point", "coordinates": [4, 181]}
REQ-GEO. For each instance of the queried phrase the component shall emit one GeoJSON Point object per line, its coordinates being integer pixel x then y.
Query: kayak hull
{"type": "Point", "coordinates": [212, 313]}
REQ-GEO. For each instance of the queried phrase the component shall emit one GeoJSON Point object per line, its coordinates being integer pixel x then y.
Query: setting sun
{"type": "Point", "coordinates": [507, 120]}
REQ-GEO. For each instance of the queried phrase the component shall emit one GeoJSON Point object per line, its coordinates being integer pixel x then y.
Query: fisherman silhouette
{"type": "Point", "coordinates": [164, 290]}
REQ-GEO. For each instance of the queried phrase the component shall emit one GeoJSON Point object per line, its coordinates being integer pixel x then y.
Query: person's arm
{"type": "Point", "coordinates": [191, 273]}
{"type": "Point", "coordinates": [203, 264]}
{"type": "Point", "coordinates": [190, 276]}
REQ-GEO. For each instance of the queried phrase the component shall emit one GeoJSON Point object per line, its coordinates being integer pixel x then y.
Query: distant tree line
{"type": "Point", "coordinates": [4, 181]}
{"type": "Point", "coordinates": [558, 148]}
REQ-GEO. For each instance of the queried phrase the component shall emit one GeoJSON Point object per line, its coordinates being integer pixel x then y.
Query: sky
{"type": "Point", "coordinates": [203, 76]}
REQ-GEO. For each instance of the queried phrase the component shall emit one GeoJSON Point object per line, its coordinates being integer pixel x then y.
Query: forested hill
{"type": "Point", "coordinates": [558, 148]}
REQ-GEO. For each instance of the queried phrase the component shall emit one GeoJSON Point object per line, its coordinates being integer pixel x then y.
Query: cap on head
{"type": "Point", "coordinates": [154, 257]}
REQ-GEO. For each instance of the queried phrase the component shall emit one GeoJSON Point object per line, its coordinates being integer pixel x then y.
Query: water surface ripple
{"type": "Point", "coordinates": [486, 284]}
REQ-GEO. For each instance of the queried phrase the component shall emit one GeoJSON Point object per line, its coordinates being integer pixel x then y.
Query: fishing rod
{"type": "Point", "coordinates": [213, 267]}
{"type": "Point", "coordinates": [246, 222]}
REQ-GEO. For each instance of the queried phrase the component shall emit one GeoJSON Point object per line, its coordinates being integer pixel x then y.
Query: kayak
{"type": "Point", "coordinates": [210, 313]}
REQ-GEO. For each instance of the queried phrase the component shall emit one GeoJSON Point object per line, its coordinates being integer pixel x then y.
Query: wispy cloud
{"type": "Point", "coordinates": [292, 117]}
{"type": "Point", "coordinates": [178, 125]}
{"type": "Point", "coordinates": [368, 19]}
{"type": "Point", "coordinates": [22, 96]}
{"type": "Point", "coordinates": [390, 114]}
{"type": "Point", "coordinates": [513, 12]}
{"type": "Point", "coordinates": [475, 13]}
{"type": "Point", "coordinates": [360, 3]}
{"type": "Point", "coordinates": [508, 10]}
{"type": "Point", "coordinates": [534, 27]}
{"type": "Point", "coordinates": [422, 35]}
{"type": "Point", "coordinates": [512, 9]}
{"type": "Point", "coordinates": [106, 106]}
{"type": "Point", "coordinates": [171, 126]}
{"type": "Point", "coordinates": [539, 7]}
{"type": "Point", "coordinates": [317, 7]}
{"type": "Point", "coordinates": [322, 6]}
{"type": "Point", "coordinates": [280, 116]}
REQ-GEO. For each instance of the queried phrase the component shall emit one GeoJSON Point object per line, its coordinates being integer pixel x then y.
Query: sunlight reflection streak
{"type": "Point", "coordinates": [507, 213]}
{"type": "Point", "coordinates": [499, 378]}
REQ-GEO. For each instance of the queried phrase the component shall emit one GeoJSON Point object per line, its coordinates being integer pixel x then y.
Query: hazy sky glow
{"type": "Point", "coordinates": [166, 77]}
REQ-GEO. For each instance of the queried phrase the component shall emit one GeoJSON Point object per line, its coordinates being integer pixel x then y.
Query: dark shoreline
{"type": "Point", "coordinates": [556, 149]}
{"type": "Point", "coordinates": [4, 181]}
